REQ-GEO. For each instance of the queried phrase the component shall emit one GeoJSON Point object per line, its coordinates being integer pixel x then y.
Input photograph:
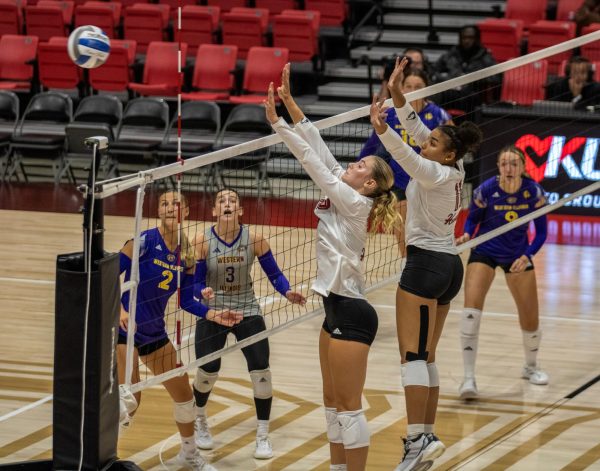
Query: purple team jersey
{"type": "Point", "coordinates": [492, 207]}
{"type": "Point", "coordinates": [432, 116]}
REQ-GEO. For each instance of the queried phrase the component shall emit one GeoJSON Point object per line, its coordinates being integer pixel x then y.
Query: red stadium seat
{"type": "Point", "coordinates": [244, 30]}
{"type": "Point", "coordinates": [548, 33]}
{"type": "Point", "coordinates": [174, 4]}
{"type": "Point", "coordinates": [525, 84]}
{"type": "Point", "coordinates": [100, 14]}
{"type": "Point", "coordinates": [45, 22]}
{"type": "Point", "coordinates": [591, 50]}
{"type": "Point", "coordinates": [17, 54]}
{"type": "Point", "coordinates": [565, 10]}
{"type": "Point", "coordinates": [313, 15]}
{"type": "Point", "coordinates": [264, 65]}
{"type": "Point", "coordinates": [198, 26]}
{"type": "Point", "coordinates": [502, 37]}
{"type": "Point", "coordinates": [11, 17]}
{"type": "Point", "coordinates": [333, 12]}
{"type": "Point", "coordinates": [161, 77]}
{"type": "Point", "coordinates": [529, 11]}
{"type": "Point", "coordinates": [115, 74]}
{"type": "Point", "coordinates": [145, 23]}
{"type": "Point", "coordinates": [213, 78]}
{"type": "Point", "coordinates": [67, 7]}
{"type": "Point", "coordinates": [297, 35]}
{"type": "Point", "coordinates": [55, 67]}
{"type": "Point", "coordinates": [261, 13]}
{"type": "Point", "coordinates": [227, 5]}
{"type": "Point", "coordinates": [115, 7]}
{"type": "Point", "coordinates": [275, 7]}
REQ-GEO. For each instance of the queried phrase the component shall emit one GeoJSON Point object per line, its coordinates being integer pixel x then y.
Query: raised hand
{"type": "Point", "coordinates": [284, 90]}
{"type": "Point", "coordinates": [395, 82]}
{"type": "Point", "coordinates": [269, 103]}
{"type": "Point", "coordinates": [224, 317]}
{"type": "Point", "coordinates": [295, 297]}
{"type": "Point", "coordinates": [378, 115]}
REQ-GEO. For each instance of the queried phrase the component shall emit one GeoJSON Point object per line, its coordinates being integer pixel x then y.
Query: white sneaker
{"type": "Point", "coordinates": [535, 375]}
{"type": "Point", "coordinates": [263, 450]}
{"type": "Point", "coordinates": [434, 449]}
{"type": "Point", "coordinates": [413, 455]}
{"type": "Point", "coordinates": [468, 389]}
{"type": "Point", "coordinates": [204, 439]}
{"type": "Point", "coordinates": [195, 462]}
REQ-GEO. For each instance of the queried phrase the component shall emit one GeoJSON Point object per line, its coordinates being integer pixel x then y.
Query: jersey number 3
{"type": "Point", "coordinates": [164, 284]}
{"type": "Point", "coordinates": [230, 274]}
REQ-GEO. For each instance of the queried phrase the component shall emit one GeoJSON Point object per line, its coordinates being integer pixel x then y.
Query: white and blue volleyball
{"type": "Point", "coordinates": [88, 46]}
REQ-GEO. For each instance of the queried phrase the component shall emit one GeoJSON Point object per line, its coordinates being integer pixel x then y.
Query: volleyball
{"type": "Point", "coordinates": [88, 46]}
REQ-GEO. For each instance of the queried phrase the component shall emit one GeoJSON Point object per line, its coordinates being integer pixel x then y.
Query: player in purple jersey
{"type": "Point", "coordinates": [159, 264]}
{"type": "Point", "coordinates": [350, 199]}
{"type": "Point", "coordinates": [497, 201]}
{"type": "Point", "coordinates": [431, 115]}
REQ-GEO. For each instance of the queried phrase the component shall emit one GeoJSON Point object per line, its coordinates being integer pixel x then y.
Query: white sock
{"type": "Point", "coordinates": [469, 338]}
{"type": "Point", "coordinates": [201, 411]}
{"type": "Point", "coordinates": [188, 445]}
{"type": "Point", "coordinates": [428, 428]}
{"type": "Point", "coordinates": [531, 345]}
{"type": "Point", "coordinates": [262, 429]}
{"type": "Point", "coordinates": [338, 467]}
{"type": "Point", "coordinates": [414, 430]}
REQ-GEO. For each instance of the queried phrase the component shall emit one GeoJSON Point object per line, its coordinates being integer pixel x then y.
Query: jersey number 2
{"type": "Point", "coordinates": [164, 284]}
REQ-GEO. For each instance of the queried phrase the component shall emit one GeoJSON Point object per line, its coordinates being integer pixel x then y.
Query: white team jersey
{"type": "Point", "coordinates": [434, 191]}
{"type": "Point", "coordinates": [342, 213]}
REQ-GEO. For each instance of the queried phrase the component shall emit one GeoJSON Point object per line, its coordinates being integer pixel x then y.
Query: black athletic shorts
{"type": "Point", "coordinates": [432, 275]}
{"type": "Point", "coordinates": [147, 348]}
{"type": "Point", "coordinates": [493, 263]}
{"type": "Point", "coordinates": [211, 337]}
{"type": "Point", "coordinates": [400, 193]}
{"type": "Point", "coordinates": [349, 319]}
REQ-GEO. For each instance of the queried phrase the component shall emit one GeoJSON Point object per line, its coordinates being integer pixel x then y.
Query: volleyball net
{"type": "Point", "coordinates": [510, 101]}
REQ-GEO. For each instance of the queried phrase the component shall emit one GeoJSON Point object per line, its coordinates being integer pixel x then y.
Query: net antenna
{"type": "Point", "coordinates": [382, 247]}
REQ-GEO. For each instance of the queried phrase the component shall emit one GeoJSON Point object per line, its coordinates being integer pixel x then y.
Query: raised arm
{"type": "Point", "coordinates": [309, 133]}
{"type": "Point", "coordinates": [408, 117]}
{"type": "Point", "coordinates": [427, 172]}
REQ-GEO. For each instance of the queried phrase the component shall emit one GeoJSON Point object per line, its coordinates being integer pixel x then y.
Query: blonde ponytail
{"type": "Point", "coordinates": [384, 214]}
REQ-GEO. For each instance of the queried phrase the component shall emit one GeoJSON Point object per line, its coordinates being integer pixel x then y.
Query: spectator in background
{"type": "Point", "coordinates": [588, 13]}
{"type": "Point", "coordinates": [417, 61]}
{"type": "Point", "coordinates": [578, 86]}
{"type": "Point", "coordinates": [468, 56]}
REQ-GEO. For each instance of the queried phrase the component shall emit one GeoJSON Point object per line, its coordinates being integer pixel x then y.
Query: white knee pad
{"type": "Point", "coordinates": [434, 377]}
{"type": "Point", "coordinates": [185, 412]}
{"type": "Point", "coordinates": [261, 383]}
{"type": "Point", "coordinates": [414, 373]}
{"type": "Point", "coordinates": [204, 381]}
{"type": "Point", "coordinates": [469, 322]}
{"type": "Point", "coordinates": [354, 428]}
{"type": "Point", "coordinates": [127, 404]}
{"type": "Point", "coordinates": [334, 432]}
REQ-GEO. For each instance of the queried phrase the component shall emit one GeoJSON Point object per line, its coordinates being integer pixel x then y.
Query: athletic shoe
{"type": "Point", "coordinates": [413, 454]}
{"type": "Point", "coordinates": [195, 462]}
{"type": "Point", "coordinates": [535, 375]}
{"type": "Point", "coordinates": [263, 450]}
{"type": "Point", "coordinates": [434, 449]}
{"type": "Point", "coordinates": [204, 439]}
{"type": "Point", "coordinates": [468, 389]}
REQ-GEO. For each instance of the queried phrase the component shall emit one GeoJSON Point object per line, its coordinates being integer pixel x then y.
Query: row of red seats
{"type": "Point", "coordinates": [526, 84]}
{"type": "Point", "coordinates": [212, 76]}
{"type": "Point", "coordinates": [142, 22]}
{"type": "Point", "coordinates": [503, 38]}
{"type": "Point", "coordinates": [531, 11]}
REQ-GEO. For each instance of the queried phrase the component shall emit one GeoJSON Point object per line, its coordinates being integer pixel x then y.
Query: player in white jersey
{"type": "Point", "coordinates": [433, 273]}
{"type": "Point", "coordinates": [226, 253]}
{"type": "Point", "coordinates": [349, 200]}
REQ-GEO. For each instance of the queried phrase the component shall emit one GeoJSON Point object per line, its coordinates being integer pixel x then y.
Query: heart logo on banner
{"type": "Point", "coordinates": [536, 152]}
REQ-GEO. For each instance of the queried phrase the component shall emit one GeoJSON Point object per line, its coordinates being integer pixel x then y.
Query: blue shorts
{"type": "Point", "coordinates": [492, 262]}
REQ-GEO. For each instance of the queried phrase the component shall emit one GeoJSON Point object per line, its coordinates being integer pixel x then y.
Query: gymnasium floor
{"type": "Point", "coordinates": [514, 425]}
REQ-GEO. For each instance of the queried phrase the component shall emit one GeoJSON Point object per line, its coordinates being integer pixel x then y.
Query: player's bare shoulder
{"type": "Point", "coordinates": [200, 245]}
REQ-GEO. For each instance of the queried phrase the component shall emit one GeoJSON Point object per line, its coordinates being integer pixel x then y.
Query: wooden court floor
{"type": "Point", "coordinates": [514, 425]}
